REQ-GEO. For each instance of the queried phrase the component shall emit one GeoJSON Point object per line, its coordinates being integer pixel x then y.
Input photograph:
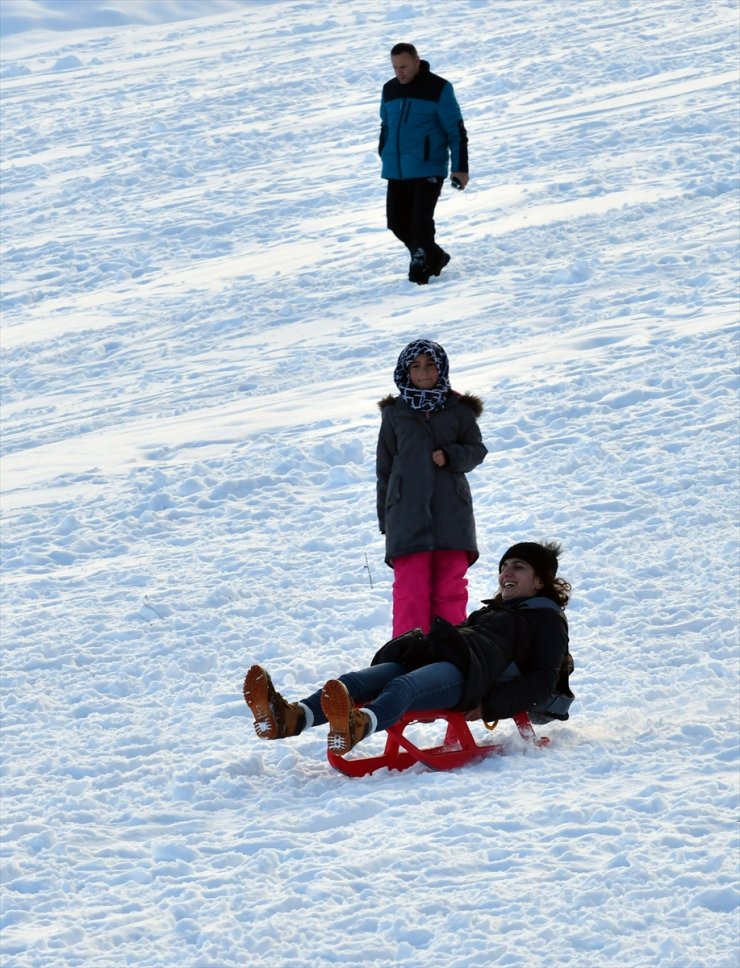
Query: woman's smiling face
{"type": "Point", "coordinates": [517, 579]}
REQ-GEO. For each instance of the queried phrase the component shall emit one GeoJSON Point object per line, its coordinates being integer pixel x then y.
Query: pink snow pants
{"type": "Point", "coordinates": [426, 584]}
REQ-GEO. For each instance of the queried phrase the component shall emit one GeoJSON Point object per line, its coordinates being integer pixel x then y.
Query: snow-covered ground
{"type": "Point", "coordinates": [200, 308]}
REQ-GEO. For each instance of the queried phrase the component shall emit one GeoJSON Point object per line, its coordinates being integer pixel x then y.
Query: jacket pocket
{"type": "Point", "coordinates": [462, 489]}
{"type": "Point", "coordinates": [393, 494]}
{"type": "Point", "coordinates": [427, 148]}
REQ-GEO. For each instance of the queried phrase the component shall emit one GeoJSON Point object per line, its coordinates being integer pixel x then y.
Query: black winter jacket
{"type": "Point", "coordinates": [510, 654]}
{"type": "Point", "coordinates": [422, 507]}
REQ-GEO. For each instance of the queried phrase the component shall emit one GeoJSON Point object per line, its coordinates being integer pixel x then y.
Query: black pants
{"type": "Point", "coordinates": [409, 207]}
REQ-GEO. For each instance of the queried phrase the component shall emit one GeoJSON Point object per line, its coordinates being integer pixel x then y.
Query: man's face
{"type": "Point", "coordinates": [405, 67]}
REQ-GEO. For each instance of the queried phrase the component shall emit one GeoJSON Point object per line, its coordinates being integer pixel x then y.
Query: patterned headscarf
{"type": "Point", "coordinates": [417, 399]}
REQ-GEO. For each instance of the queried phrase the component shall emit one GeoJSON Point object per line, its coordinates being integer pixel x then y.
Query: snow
{"type": "Point", "coordinates": [201, 306]}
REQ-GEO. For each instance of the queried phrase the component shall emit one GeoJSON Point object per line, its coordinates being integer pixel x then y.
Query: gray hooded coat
{"type": "Point", "coordinates": [422, 507]}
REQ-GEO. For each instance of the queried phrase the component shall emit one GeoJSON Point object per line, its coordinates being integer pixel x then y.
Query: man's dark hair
{"type": "Point", "coordinates": [404, 49]}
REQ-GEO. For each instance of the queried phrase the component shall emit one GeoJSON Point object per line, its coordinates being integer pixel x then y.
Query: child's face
{"type": "Point", "coordinates": [423, 373]}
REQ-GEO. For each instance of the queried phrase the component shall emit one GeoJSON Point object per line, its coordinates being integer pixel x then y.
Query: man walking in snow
{"type": "Point", "coordinates": [421, 129]}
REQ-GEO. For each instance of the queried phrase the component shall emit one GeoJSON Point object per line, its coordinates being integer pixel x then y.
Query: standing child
{"type": "Point", "coordinates": [429, 438]}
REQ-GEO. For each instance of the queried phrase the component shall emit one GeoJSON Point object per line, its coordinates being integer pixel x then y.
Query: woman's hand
{"type": "Point", "coordinates": [439, 457]}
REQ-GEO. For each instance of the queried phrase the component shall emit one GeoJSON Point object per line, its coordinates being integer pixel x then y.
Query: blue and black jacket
{"type": "Point", "coordinates": [421, 128]}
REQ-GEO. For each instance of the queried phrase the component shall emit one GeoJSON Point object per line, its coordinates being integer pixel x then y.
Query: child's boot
{"type": "Point", "coordinates": [274, 717]}
{"type": "Point", "coordinates": [347, 724]}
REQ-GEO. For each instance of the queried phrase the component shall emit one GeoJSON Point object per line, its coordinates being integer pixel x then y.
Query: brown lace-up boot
{"type": "Point", "coordinates": [274, 717]}
{"type": "Point", "coordinates": [347, 724]}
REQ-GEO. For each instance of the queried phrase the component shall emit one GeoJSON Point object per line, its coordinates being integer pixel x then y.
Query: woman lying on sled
{"type": "Point", "coordinates": [504, 658]}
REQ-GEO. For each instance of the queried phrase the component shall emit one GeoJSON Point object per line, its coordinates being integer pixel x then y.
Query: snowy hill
{"type": "Point", "coordinates": [201, 306]}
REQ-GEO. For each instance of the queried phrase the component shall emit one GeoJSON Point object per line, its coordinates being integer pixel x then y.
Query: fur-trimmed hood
{"type": "Point", "coordinates": [469, 399]}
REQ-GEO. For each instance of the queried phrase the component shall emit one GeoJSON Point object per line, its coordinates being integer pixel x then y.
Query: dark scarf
{"type": "Point", "coordinates": [417, 399]}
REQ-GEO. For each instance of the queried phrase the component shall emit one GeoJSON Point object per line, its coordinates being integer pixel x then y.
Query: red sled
{"type": "Point", "coordinates": [459, 746]}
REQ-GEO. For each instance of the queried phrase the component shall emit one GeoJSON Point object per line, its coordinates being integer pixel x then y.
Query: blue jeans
{"type": "Point", "coordinates": [389, 691]}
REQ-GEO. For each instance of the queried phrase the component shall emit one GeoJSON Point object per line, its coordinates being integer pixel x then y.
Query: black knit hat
{"type": "Point", "coordinates": [542, 557]}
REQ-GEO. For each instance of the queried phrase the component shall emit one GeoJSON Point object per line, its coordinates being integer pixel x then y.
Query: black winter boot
{"type": "Point", "coordinates": [418, 268]}
{"type": "Point", "coordinates": [439, 262]}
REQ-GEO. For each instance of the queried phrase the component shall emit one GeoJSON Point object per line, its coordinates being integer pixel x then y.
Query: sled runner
{"type": "Point", "coordinates": [459, 746]}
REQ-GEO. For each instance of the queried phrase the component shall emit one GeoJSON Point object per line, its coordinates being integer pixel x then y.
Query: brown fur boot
{"type": "Point", "coordinates": [347, 724]}
{"type": "Point", "coordinates": [274, 717]}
